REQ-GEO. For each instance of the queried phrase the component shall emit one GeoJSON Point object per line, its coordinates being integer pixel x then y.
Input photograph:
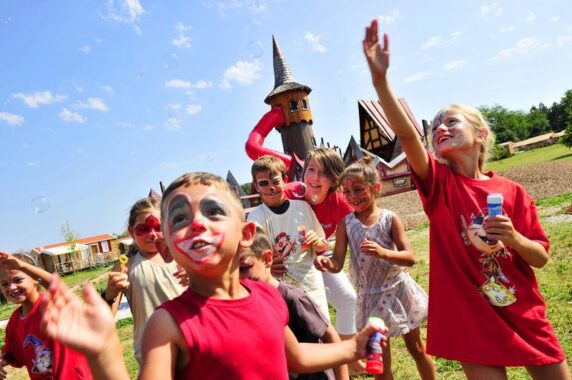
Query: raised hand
{"type": "Point", "coordinates": [116, 283]}
{"type": "Point", "coordinates": [86, 326]}
{"type": "Point", "coordinates": [9, 262]}
{"type": "Point", "coordinates": [377, 56]}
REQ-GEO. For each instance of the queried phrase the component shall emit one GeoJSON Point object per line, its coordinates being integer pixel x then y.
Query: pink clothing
{"type": "Point", "coordinates": [26, 345]}
{"type": "Point", "coordinates": [484, 303]}
{"type": "Point", "coordinates": [333, 209]}
{"type": "Point", "coordinates": [233, 339]}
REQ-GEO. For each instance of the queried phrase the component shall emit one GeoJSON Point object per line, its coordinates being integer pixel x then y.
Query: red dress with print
{"type": "Point", "coordinates": [26, 345]}
{"type": "Point", "coordinates": [484, 303]}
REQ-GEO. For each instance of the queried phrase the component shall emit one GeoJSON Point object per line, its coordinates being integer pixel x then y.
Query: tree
{"type": "Point", "coordinates": [246, 187]}
{"type": "Point", "coordinates": [537, 121]}
{"type": "Point", "coordinates": [71, 237]}
{"type": "Point", "coordinates": [567, 138]}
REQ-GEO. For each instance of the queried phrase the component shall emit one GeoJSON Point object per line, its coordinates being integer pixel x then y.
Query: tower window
{"type": "Point", "coordinates": [304, 104]}
{"type": "Point", "coordinates": [294, 106]}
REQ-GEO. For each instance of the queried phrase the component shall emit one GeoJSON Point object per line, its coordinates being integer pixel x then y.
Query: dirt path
{"type": "Point", "coordinates": [540, 180]}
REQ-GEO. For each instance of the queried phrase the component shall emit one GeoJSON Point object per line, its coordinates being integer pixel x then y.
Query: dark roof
{"type": "Point", "coordinates": [283, 79]}
{"type": "Point", "coordinates": [373, 108]}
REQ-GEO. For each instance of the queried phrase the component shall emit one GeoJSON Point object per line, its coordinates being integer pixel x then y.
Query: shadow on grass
{"type": "Point", "coordinates": [562, 157]}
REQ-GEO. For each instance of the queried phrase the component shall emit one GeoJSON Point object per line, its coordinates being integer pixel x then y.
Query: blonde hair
{"type": "Point", "coordinates": [141, 206]}
{"type": "Point", "coordinates": [330, 164]}
{"type": "Point", "coordinates": [205, 179]}
{"type": "Point", "coordinates": [477, 123]}
{"type": "Point", "coordinates": [364, 171]}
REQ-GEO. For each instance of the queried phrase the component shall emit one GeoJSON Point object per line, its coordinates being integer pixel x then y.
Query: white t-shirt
{"type": "Point", "coordinates": [285, 237]}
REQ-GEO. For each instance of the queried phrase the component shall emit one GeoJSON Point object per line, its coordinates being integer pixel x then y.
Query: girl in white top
{"type": "Point", "coordinates": [147, 279]}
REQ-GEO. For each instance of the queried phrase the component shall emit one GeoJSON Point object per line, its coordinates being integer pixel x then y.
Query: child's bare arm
{"type": "Point", "coordinates": [163, 347]}
{"type": "Point", "coordinates": [10, 262]}
{"type": "Point", "coordinates": [87, 327]}
{"type": "Point", "coordinates": [336, 263]}
{"type": "Point", "coordinates": [378, 62]}
{"type": "Point", "coordinates": [316, 357]}
{"type": "Point", "coordinates": [404, 256]}
{"type": "Point", "coordinates": [500, 227]}
{"type": "Point", "coordinates": [331, 336]}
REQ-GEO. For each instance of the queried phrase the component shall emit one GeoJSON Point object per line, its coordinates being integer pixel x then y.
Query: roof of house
{"type": "Point", "coordinates": [536, 139]}
{"type": "Point", "coordinates": [86, 240]}
{"type": "Point", "coordinates": [62, 250]}
{"type": "Point", "coordinates": [373, 109]}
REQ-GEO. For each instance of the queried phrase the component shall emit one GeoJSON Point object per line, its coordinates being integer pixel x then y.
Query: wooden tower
{"type": "Point", "coordinates": [292, 97]}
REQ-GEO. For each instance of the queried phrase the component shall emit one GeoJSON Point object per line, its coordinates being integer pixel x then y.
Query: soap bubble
{"type": "Point", "coordinates": [299, 191]}
{"type": "Point", "coordinates": [255, 49]}
{"type": "Point", "coordinates": [169, 61]}
{"type": "Point", "coordinates": [40, 204]}
{"type": "Point", "coordinates": [341, 97]}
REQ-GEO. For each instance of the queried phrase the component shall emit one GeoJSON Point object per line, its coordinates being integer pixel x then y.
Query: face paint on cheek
{"type": "Point", "coordinates": [151, 224]}
{"type": "Point", "coordinates": [200, 249]}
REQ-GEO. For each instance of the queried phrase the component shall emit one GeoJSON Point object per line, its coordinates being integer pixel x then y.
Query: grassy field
{"type": "Point", "coordinates": [555, 279]}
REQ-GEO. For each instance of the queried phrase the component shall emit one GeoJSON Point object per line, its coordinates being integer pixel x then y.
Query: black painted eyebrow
{"type": "Point", "coordinates": [209, 202]}
{"type": "Point", "coordinates": [177, 201]}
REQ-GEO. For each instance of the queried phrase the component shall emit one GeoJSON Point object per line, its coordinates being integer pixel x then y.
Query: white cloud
{"type": "Point", "coordinates": [39, 98]}
{"type": "Point", "coordinates": [182, 41]}
{"type": "Point", "coordinates": [416, 77]}
{"type": "Point", "coordinates": [530, 17]}
{"type": "Point", "coordinates": [252, 6]}
{"type": "Point", "coordinates": [491, 8]}
{"type": "Point", "coordinates": [127, 11]}
{"type": "Point", "coordinates": [202, 84]}
{"type": "Point", "coordinates": [193, 109]}
{"type": "Point", "coordinates": [563, 39]}
{"type": "Point", "coordinates": [11, 118]}
{"type": "Point", "coordinates": [125, 124]}
{"type": "Point", "coordinates": [525, 45]}
{"type": "Point", "coordinates": [242, 73]}
{"type": "Point", "coordinates": [431, 42]}
{"type": "Point", "coordinates": [506, 29]}
{"type": "Point", "coordinates": [314, 41]}
{"type": "Point", "coordinates": [108, 90]}
{"type": "Point", "coordinates": [93, 104]}
{"type": "Point", "coordinates": [137, 30]}
{"type": "Point", "coordinates": [173, 107]}
{"type": "Point", "coordinates": [174, 123]}
{"type": "Point", "coordinates": [454, 65]}
{"type": "Point", "coordinates": [389, 19]}
{"type": "Point", "coordinates": [31, 163]}
{"type": "Point", "coordinates": [85, 49]}
{"type": "Point", "coordinates": [453, 37]}
{"type": "Point", "coordinates": [555, 18]}
{"type": "Point", "coordinates": [177, 83]}
{"type": "Point", "coordinates": [71, 117]}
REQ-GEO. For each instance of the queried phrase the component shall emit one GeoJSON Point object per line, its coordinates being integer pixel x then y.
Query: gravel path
{"type": "Point", "coordinates": [540, 181]}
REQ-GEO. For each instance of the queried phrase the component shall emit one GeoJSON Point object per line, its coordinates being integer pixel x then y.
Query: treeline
{"type": "Point", "coordinates": [518, 125]}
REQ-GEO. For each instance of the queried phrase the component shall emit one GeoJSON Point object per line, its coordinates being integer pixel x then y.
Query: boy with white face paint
{"type": "Point", "coordinates": [500, 315]}
{"type": "Point", "coordinates": [213, 330]}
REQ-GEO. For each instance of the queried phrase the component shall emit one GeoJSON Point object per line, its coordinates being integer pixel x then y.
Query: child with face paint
{"type": "Point", "coordinates": [220, 327]}
{"type": "Point", "coordinates": [485, 308]}
{"type": "Point", "coordinates": [321, 177]}
{"type": "Point", "coordinates": [306, 320]}
{"type": "Point", "coordinates": [282, 219]}
{"type": "Point", "coordinates": [25, 344]}
{"type": "Point", "coordinates": [147, 279]}
{"type": "Point", "coordinates": [379, 250]}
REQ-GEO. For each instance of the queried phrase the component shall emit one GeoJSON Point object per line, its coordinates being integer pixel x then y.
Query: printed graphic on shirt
{"type": "Point", "coordinates": [44, 356]}
{"type": "Point", "coordinates": [496, 287]}
{"type": "Point", "coordinates": [282, 249]}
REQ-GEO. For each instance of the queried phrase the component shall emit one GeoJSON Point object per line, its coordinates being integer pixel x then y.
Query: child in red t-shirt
{"type": "Point", "coordinates": [485, 309]}
{"type": "Point", "coordinates": [25, 344]}
{"type": "Point", "coordinates": [220, 327]}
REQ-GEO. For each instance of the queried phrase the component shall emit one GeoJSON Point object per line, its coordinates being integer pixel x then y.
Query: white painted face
{"type": "Point", "coordinates": [317, 183]}
{"type": "Point", "coordinates": [451, 133]}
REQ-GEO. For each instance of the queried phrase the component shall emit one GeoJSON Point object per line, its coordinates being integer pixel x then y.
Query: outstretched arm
{"type": "Point", "coordinates": [10, 262]}
{"type": "Point", "coordinates": [378, 62]}
{"type": "Point", "coordinates": [87, 327]}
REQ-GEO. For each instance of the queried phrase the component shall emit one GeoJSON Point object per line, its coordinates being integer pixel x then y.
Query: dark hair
{"type": "Point", "coordinates": [330, 164]}
{"type": "Point", "coordinates": [206, 179]}
{"type": "Point", "coordinates": [270, 164]}
{"type": "Point", "coordinates": [260, 243]}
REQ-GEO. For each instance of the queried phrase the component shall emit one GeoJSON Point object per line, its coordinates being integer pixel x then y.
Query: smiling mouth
{"type": "Point", "coordinates": [198, 249]}
{"type": "Point", "coordinates": [443, 139]}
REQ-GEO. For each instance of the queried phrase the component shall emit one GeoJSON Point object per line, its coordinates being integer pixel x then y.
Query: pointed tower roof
{"type": "Point", "coordinates": [283, 79]}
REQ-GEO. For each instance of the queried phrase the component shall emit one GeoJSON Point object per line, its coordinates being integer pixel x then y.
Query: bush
{"type": "Point", "coordinates": [499, 153]}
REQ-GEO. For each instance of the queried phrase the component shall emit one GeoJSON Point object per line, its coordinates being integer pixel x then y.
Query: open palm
{"type": "Point", "coordinates": [85, 326]}
{"type": "Point", "coordinates": [376, 55]}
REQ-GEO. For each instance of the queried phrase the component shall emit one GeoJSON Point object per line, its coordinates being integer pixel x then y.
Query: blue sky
{"type": "Point", "coordinates": [101, 100]}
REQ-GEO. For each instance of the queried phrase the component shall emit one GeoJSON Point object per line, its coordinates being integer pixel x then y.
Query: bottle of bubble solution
{"type": "Point", "coordinates": [494, 203]}
{"type": "Point", "coordinates": [374, 363]}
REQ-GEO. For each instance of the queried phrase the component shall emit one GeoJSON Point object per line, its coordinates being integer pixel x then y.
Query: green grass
{"type": "Point", "coordinates": [556, 152]}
